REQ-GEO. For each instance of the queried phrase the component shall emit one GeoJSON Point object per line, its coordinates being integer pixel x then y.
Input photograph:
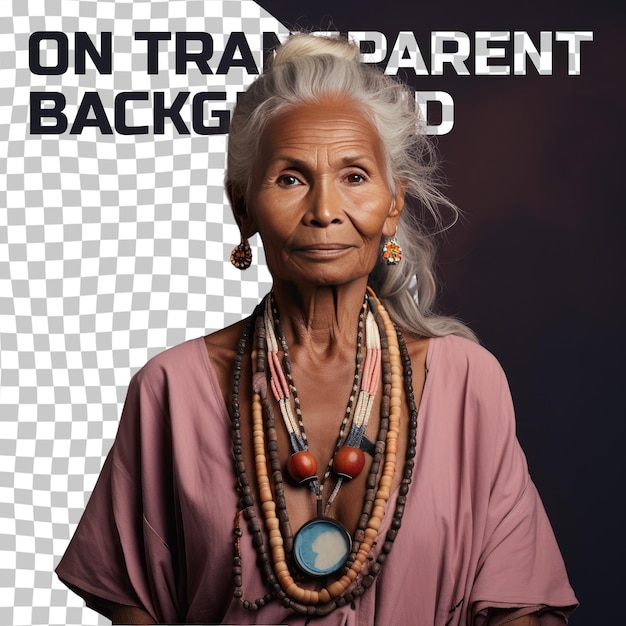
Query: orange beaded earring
{"type": "Point", "coordinates": [241, 256]}
{"type": "Point", "coordinates": [391, 250]}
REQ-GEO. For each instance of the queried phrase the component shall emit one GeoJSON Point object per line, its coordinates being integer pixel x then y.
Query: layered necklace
{"type": "Point", "coordinates": [322, 547]}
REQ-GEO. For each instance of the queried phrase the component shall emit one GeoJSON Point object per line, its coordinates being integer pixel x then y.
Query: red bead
{"type": "Point", "coordinates": [348, 462]}
{"type": "Point", "coordinates": [302, 466]}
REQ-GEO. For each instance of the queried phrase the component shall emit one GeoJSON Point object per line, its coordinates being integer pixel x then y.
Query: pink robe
{"type": "Point", "coordinates": [158, 530]}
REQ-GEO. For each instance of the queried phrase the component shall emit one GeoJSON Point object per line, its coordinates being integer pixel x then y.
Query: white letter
{"type": "Point", "coordinates": [438, 56]}
{"type": "Point", "coordinates": [406, 43]}
{"type": "Point", "coordinates": [574, 39]}
{"type": "Point", "coordinates": [484, 52]}
{"type": "Point", "coordinates": [523, 46]}
{"type": "Point", "coordinates": [447, 111]}
{"type": "Point", "coordinates": [370, 36]}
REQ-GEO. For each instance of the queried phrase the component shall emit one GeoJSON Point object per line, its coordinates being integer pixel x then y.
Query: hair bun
{"type": "Point", "coordinates": [304, 45]}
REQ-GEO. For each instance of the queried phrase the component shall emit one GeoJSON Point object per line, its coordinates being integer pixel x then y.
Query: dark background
{"type": "Point", "coordinates": [536, 267]}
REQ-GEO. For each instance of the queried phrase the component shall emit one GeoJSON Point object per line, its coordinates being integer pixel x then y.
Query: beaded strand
{"type": "Point", "coordinates": [349, 586]}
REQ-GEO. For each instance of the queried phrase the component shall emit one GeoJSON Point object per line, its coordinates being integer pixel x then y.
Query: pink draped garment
{"type": "Point", "coordinates": [157, 532]}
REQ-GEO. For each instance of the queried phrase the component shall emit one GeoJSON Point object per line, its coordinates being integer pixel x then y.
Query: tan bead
{"type": "Point", "coordinates": [383, 494]}
{"type": "Point", "coordinates": [324, 596]}
{"type": "Point", "coordinates": [336, 589]}
{"type": "Point", "coordinates": [295, 592]}
{"type": "Point", "coordinates": [268, 506]}
{"type": "Point", "coordinates": [282, 576]}
{"type": "Point", "coordinates": [378, 512]}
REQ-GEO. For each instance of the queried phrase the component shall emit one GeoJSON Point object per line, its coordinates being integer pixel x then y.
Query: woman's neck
{"type": "Point", "coordinates": [321, 319]}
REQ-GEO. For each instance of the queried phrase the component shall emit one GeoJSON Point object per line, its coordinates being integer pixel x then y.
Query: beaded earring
{"type": "Point", "coordinates": [391, 250]}
{"type": "Point", "coordinates": [241, 256]}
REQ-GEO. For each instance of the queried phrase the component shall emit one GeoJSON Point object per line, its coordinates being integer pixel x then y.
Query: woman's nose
{"type": "Point", "coordinates": [325, 206]}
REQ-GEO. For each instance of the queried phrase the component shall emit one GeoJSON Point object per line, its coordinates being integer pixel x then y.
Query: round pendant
{"type": "Point", "coordinates": [302, 466]}
{"type": "Point", "coordinates": [321, 547]}
{"type": "Point", "coordinates": [348, 462]}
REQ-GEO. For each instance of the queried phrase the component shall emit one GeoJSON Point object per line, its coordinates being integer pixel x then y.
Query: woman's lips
{"type": "Point", "coordinates": [323, 249]}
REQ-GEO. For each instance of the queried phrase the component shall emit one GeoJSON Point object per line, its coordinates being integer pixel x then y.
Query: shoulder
{"type": "Point", "coordinates": [181, 357]}
{"type": "Point", "coordinates": [469, 380]}
{"type": "Point", "coordinates": [182, 371]}
{"type": "Point", "coordinates": [461, 358]}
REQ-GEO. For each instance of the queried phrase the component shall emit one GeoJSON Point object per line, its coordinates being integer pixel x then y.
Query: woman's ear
{"type": "Point", "coordinates": [395, 210]}
{"type": "Point", "coordinates": [243, 217]}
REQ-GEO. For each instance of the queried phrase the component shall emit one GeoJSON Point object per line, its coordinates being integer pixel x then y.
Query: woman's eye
{"type": "Point", "coordinates": [288, 180]}
{"type": "Point", "coordinates": [355, 178]}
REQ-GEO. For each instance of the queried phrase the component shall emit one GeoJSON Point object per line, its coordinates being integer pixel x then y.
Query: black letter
{"type": "Point", "coordinates": [153, 48]}
{"type": "Point", "coordinates": [120, 113]}
{"type": "Point", "coordinates": [237, 40]}
{"type": "Point", "coordinates": [102, 61]}
{"type": "Point", "coordinates": [37, 112]}
{"type": "Point", "coordinates": [91, 100]}
{"type": "Point", "coordinates": [34, 61]}
{"type": "Point", "coordinates": [173, 112]}
{"type": "Point", "coordinates": [198, 114]}
{"type": "Point", "coordinates": [200, 58]}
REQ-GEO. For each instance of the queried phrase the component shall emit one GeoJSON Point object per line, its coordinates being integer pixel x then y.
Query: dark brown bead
{"type": "Point", "coordinates": [367, 581]}
{"type": "Point", "coordinates": [238, 593]}
{"type": "Point", "coordinates": [325, 609]}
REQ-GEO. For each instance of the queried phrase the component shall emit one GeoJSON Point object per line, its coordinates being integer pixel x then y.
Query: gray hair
{"type": "Point", "coordinates": [308, 68]}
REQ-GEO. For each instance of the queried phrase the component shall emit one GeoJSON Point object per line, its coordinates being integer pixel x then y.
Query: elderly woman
{"type": "Point", "coordinates": [344, 456]}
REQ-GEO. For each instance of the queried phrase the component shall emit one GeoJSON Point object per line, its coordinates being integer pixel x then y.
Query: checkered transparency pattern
{"type": "Point", "coordinates": [112, 248]}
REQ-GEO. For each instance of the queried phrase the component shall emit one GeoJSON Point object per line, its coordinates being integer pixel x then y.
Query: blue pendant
{"type": "Point", "coordinates": [321, 547]}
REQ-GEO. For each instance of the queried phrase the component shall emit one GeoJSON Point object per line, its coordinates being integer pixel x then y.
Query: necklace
{"type": "Point", "coordinates": [322, 545]}
{"type": "Point", "coordinates": [274, 564]}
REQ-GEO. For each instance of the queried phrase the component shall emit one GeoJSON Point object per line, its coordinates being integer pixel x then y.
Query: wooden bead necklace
{"type": "Point", "coordinates": [395, 362]}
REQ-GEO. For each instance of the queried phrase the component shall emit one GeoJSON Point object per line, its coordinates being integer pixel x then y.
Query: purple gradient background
{"type": "Point", "coordinates": [537, 266]}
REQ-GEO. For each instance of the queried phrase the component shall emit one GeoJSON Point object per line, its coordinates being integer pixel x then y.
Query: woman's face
{"type": "Point", "coordinates": [320, 198]}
